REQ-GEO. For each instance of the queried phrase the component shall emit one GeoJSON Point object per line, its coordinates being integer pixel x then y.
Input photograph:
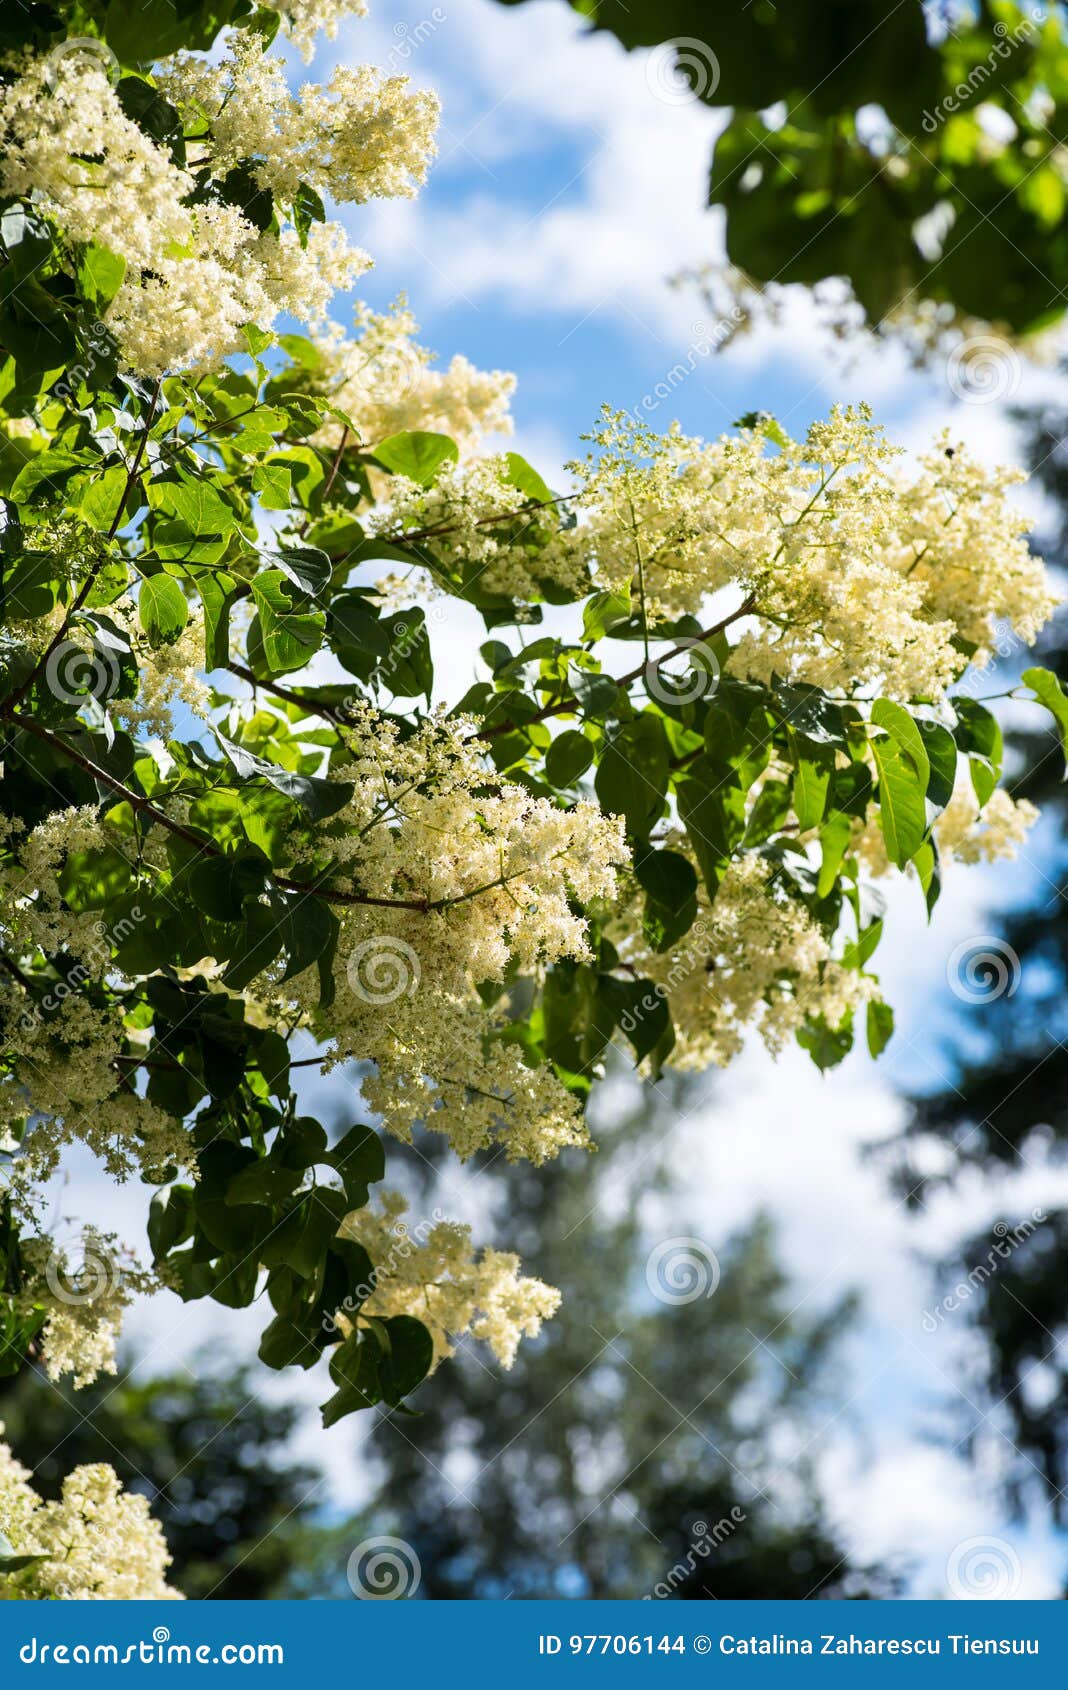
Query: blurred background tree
{"type": "Point", "coordinates": [239, 1513]}
{"type": "Point", "coordinates": [636, 1430]}
{"type": "Point", "coordinates": [1004, 1108]}
{"type": "Point", "coordinates": [641, 1446]}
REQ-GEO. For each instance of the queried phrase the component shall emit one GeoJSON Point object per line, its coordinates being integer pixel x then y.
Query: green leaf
{"type": "Point", "coordinates": [290, 634]}
{"type": "Point", "coordinates": [815, 765]}
{"type": "Point", "coordinates": [319, 798]}
{"type": "Point", "coordinates": [835, 835]}
{"type": "Point", "coordinates": [669, 881]}
{"type": "Point", "coordinates": [526, 478]}
{"type": "Point", "coordinates": [827, 1046]}
{"type": "Point", "coordinates": [407, 668]}
{"type": "Point", "coordinates": [360, 1160]}
{"type": "Point", "coordinates": [309, 928]}
{"type": "Point", "coordinates": [354, 1369]}
{"type": "Point", "coordinates": [217, 593]}
{"type": "Point", "coordinates": [640, 1009]}
{"type": "Point", "coordinates": [942, 756]}
{"type": "Point", "coordinates": [170, 1218]}
{"type": "Point", "coordinates": [1048, 690]}
{"type": "Point", "coordinates": [604, 611]}
{"type": "Point", "coordinates": [568, 758]}
{"type": "Point", "coordinates": [977, 732]}
{"type": "Point", "coordinates": [289, 1342]}
{"type": "Point", "coordinates": [632, 776]}
{"type": "Point", "coordinates": [407, 1356]}
{"type": "Point", "coordinates": [895, 720]}
{"type": "Point", "coordinates": [11, 1561]}
{"type": "Point", "coordinates": [712, 808]}
{"type": "Point", "coordinates": [263, 1182]}
{"type": "Point", "coordinates": [880, 1028]}
{"type": "Point", "coordinates": [419, 455]}
{"type": "Point", "coordinates": [929, 873]}
{"type": "Point", "coordinates": [307, 566]}
{"type": "Point", "coordinates": [196, 504]}
{"type": "Point", "coordinates": [902, 813]}
{"type": "Point", "coordinates": [162, 609]}
{"type": "Point", "coordinates": [307, 209]}
{"type": "Point", "coordinates": [100, 274]}
{"type": "Point", "coordinates": [219, 885]}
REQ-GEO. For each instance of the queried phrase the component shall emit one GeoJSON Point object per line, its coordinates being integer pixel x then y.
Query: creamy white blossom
{"type": "Point", "coordinates": [97, 1543]}
{"type": "Point", "coordinates": [385, 381]}
{"type": "Point", "coordinates": [364, 136]}
{"type": "Point", "coordinates": [436, 1274]}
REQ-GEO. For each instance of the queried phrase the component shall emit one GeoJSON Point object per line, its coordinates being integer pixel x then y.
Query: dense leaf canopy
{"type": "Point", "coordinates": [719, 696]}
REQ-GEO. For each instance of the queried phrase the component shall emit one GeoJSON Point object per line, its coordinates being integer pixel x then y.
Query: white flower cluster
{"type": "Point", "coordinates": [61, 1048]}
{"type": "Point", "coordinates": [67, 142]}
{"type": "Point", "coordinates": [189, 312]}
{"type": "Point", "coordinates": [365, 136]}
{"type": "Point", "coordinates": [85, 1298]}
{"type": "Point", "coordinates": [754, 959]}
{"type": "Point", "coordinates": [64, 1072]}
{"type": "Point", "coordinates": [495, 876]}
{"type": "Point", "coordinates": [195, 274]}
{"type": "Point", "coordinates": [303, 20]}
{"type": "Point", "coordinates": [475, 515]}
{"type": "Point", "coordinates": [384, 381]}
{"type": "Point", "coordinates": [448, 1285]}
{"type": "Point", "coordinates": [857, 577]}
{"type": "Point", "coordinates": [988, 834]}
{"type": "Point", "coordinates": [98, 1543]}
